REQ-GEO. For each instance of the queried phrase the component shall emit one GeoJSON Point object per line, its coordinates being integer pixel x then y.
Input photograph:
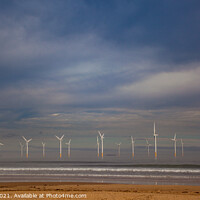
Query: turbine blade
{"type": "Point", "coordinates": [147, 141]}
{"type": "Point", "coordinates": [57, 137]}
{"type": "Point", "coordinates": [175, 136]}
{"type": "Point", "coordinates": [99, 133]}
{"type": "Point", "coordinates": [62, 137]}
{"type": "Point", "coordinates": [182, 141]}
{"type": "Point", "coordinates": [132, 139]}
{"type": "Point", "coordinates": [29, 140]}
{"type": "Point", "coordinates": [24, 138]}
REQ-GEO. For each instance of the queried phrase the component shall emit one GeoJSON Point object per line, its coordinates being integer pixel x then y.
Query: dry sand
{"type": "Point", "coordinates": [95, 191]}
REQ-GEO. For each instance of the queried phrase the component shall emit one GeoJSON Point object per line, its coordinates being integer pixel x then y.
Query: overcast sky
{"type": "Point", "coordinates": [75, 67]}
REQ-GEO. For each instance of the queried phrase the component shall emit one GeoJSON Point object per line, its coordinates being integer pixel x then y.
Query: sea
{"type": "Point", "coordinates": [100, 172]}
{"type": "Point", "coordinates": [111, 169]}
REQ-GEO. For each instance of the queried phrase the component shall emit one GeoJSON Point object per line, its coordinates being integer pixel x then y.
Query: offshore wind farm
{"type": "Point", "coordinates": [129, 145]}
{"type": "Point", "coordinates": [134, 162]}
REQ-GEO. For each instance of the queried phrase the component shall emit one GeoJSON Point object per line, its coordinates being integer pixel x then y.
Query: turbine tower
{"type": "Point", "coordinates": [60, 139]}
{"type": "Point", "coordinates": [69, 143]}
{"type": "Point", "coordinates": [43, 146]}
{"type": "Point", "coordinates": [174, 139]}
{"type": "Point", "coordinates": [148, 145]}
{"type": "Point", "coordinates": [132, 143]}
{"type": "Point", "coordinates": [182, 147]}
{"type": "Point", "coordinates": [102, 137]}
{"type": "Point", "coordinates": [97, 146]}
{"type": "Point", "coordinates": [22, 146]}
{"type": "Point", "coordinates": [27, 141]}
{"type": "Point", "coordinates": [155, 136]}
{"type": "Point", "coordinates": [118, 148]}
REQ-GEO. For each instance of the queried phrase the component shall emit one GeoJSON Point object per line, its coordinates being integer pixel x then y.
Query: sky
{"type": "Point", "coordinates": [75, 67]}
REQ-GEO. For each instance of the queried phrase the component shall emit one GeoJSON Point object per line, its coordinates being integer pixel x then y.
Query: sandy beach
{"type": "Point", "coordinates": [93, 191]}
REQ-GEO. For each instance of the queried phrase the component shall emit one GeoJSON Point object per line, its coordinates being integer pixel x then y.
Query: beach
{"type": "Point", "coordinates": [91, 191]}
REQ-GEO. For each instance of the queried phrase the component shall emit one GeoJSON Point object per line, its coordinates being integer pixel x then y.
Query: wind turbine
{"type": "Point", "coordinates": [1, 144]}
{"type": "Point", "coordinates": [174, 139]}
{"type": "Point", "coordinates": [98, 146]}
{"type": "Point", "coordinates": [118, 148]}
{"type": "Point", "coordinates": [43, 146]}
{"type": "Point", "coordinates": [27, 141]}
{"type": "Point", "coordinates": [22, 146]}
{"type": "Point", "coordinates": [132, 144]}
{"type": "Point", "coordinates": [155, 136]}
{"type": "Point", "coordinates": [182, 147]}
{"type": "Point", "coordinates": [60, 139]}
{"type": "Point", "coordinates": [69, 148]}
{"type": "Point", "coordinates": [102, 137]}
{"type": "Point", "coordinates": [148, 145]}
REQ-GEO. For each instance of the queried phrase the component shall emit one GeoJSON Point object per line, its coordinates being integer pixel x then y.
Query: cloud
{"type": "Point", "coordinates": [165, 84]}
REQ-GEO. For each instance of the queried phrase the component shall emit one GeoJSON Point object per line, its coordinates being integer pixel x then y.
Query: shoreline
{"type": "Point", "coordinates": [102, 190]}
{"type": "Point", "coordinates": [59, 178]}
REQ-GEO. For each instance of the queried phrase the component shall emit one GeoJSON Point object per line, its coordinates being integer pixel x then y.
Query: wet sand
{"type": "Point", "coordinates": [92, 191]}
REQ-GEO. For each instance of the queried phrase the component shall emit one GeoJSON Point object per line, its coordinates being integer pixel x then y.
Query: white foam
{"type": "Point", "coordinates": [107, 169]}
{"type": "Point", "coordinates": [107, 175]}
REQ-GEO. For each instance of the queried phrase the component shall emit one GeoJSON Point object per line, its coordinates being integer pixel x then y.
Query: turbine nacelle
{"type": "Point", "coordinates": [154, 133]}
{"type": "Point", "coordinates": [132, 140]}
{"type": "Point", "coordinates": [60, 137]}
{"type": "Point", "coordinates": [101, 135]}
{"type": "Point", "coordinates": [182, 141]}
{"type": "Point", "coordinates": [68, 143]}
{"type": "Point", "coordinates": [148, 143]}
{"type": "Point", "coordinates": [27, 141]}
{"type": "Point", "coordinates": [174, 139]}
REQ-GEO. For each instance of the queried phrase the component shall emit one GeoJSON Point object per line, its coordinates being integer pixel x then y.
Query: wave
{"type": "Point", "coordinates": [108, 175]}
{"type": "Point", "coordinates": [107, 169]}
